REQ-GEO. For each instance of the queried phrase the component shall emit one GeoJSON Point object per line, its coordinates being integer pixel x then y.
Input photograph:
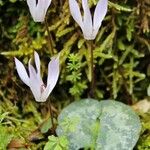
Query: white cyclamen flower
{"type": "Point", "coordinates": [89, 25]}
{"type": "Point", "coordinates": [38, 9]}
{"type": "Point", "coordinates": [34, 80]}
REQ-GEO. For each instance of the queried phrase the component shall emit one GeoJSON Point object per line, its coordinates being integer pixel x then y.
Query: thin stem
{"type": "Point", "coordinates": [52, 117]}
{"type": "Point", "coordinates": [92, 70]}
{"type": "Point", "coordinates": [49, 37]}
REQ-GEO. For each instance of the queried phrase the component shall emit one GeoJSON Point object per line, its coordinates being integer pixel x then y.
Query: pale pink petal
{"type": "Point", "coordinates": [75, 12]}
{"type": "Point", "coordinates": [53, 74]}
{"type": "Point", "coordinates": [87, 20]}
{"type": "Point", "coordinates": [32, 6]}
{"type": "Point", "coordinates": [37, 62]}
{"type": "Point", "coordinates": [38, 11]}
{"type": "Point", "coordinates": [99, 14]}
{"type": "Point", "coordinates": [35, 85]}
{"type": "Point", "coordinates": [46, 93]}
{"type": "Point", "coordinates": [47, 4]}
{"type": "Point", "coordinates": [53, 71]}
{"type": "Point", "coordinates": [22, 72]}
{"type": "Point", "coordinates": [39, 14]}
{"type": "Point", "coordinates": [41, 10]}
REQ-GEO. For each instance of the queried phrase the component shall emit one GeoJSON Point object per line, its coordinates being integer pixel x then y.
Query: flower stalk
{"type": "Point", "coordinates": [92, 70]}
{"type": "Point", "coordinates": [49, 38]}
{"type": "Point", "coordinates": [52, 117]}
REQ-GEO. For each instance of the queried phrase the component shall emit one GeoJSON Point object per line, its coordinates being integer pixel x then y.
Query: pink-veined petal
{"type": "Point", "coordinates": [46, 93]}
{"type": "Point", "coordinates": [87, 20]}
{"type": "Point", "coordinates": [75, 12]}
{"type": "Point", "coordinates": [22, 72]}
{"type": "Point", "coordinates": [99, 14]}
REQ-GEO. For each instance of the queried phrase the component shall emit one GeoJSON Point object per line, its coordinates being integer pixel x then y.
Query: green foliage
{"type": "Point", "coordinates": [74, 67]}
{"type": "Point", "coordinates": [16, 124]}
{"type": "Point", "coordinates": [144, 141]}
{"type": "Point", "coordinates": [5, 138]}
{"type": "Point", "coordinates": [119, 7]}
{"type": "Point", "coordinates": [103, 125]}
{"type": "Point", "coordinates": [56, 143]}
{"type": "Point", "coordinates": [46, 126]}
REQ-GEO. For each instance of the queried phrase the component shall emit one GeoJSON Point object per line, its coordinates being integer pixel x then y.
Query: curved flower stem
{"type": "Point", "coordinates": [49, 37]}
{"type": "Point", "coordinates": [92, 69]}
{"type": "Point", "coordinates": [52, 117]}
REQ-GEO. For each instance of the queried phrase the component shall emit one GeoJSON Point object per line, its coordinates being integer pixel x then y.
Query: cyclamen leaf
{"type": "Point", "coordinates": [102, 125]}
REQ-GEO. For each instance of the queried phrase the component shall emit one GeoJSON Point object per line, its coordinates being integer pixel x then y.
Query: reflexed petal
{"type": "Point", "coordinates": [22, 72]}
{"type": "Point", "coordinates": [31, 3]}
{"type": "Point", "coordinates": [35, 85]}
{"type": "Point", "coordinates": [32, 71]}
{"type": "Point", "coordinates": [75, 12]}
{"type": "Point", "coordinates": [53, 72]}
{"type": "Point", "coordinates": [40, 11]}
{"type": "Point", "coordinates": [32, 6]}
{"type": "Point", "coordinates": [37, 62]}
{"type": "Point", "coordinates": [37, 71]}
{"type": "Point", "coordinates": [87, 21]}
{"type": "Point", "coordinates": [99, 14]}
{"type": "Point", "coordinates": [47, 4]}
{"type": "Point", "coordinates": [39, 17]}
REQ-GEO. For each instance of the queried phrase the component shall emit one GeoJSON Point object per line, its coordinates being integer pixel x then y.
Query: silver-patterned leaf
{"type": "Point", "coordinates": [103, 125]}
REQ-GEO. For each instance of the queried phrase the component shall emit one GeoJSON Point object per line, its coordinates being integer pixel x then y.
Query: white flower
{"type": "Point", "coordinates": [89, 25]}
{"type": "Point", "coordinates": [34, 80]}
{"type": "Point", "coordinates": [38, 9]}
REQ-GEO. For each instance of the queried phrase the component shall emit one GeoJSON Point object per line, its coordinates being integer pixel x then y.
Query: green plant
{"type": "Point", "coordinates": [74, 67]}
{"type": "Point", "coordinates": [56, 143]}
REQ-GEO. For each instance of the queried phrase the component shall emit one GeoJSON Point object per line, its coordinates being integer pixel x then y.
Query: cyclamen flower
{"type": "Point", "coordinates": [89, 25]}
{"type": "Point", "coordinates": [38, 9]}
{"type": "Point", "coordinates": [34, 80]}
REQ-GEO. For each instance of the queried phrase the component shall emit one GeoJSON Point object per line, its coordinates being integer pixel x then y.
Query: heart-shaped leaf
{"type": "Point", "coordinates": [102, 125]}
